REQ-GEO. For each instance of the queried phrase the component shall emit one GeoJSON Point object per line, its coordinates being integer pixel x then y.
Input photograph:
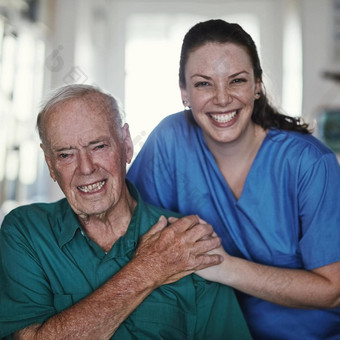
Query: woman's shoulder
{"type": "Point", "coordinates": [173, 121]}
{"type": "Point", "coordinates": [174, 128]}
{"type": "Point", "coordinates": [298, 141]}
{"type": "Point", "coordinates": [294, 156]}
{"type": "Point", "coordinates": [299, 150]}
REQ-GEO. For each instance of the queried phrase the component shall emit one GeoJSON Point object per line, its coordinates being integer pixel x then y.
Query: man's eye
{"type": "Point", "coordinates": [63, 155]}
{"type": "Point", "coordinates": [101, 146]}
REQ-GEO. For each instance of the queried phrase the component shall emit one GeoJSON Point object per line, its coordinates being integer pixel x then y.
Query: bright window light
{"type": "Point", "coordinates": [24, 81]}
{"type": "Point", "coordinates": [12, 165]}
{"type": "Point", "coordinates": [292, 63]}
{"type": "Point", "coordinates": [28, 162]}
{"type": "Point", "coordinates": [8, 64]}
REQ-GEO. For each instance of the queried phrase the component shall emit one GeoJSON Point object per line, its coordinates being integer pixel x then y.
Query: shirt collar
{"type": "Point", "coordinates": [129, 240]}
{"type": "Point", "coordinates": [69, 223]}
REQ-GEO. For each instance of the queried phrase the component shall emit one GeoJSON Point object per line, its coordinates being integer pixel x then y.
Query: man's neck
{"type": "Point", "coordinates": [106, 229]}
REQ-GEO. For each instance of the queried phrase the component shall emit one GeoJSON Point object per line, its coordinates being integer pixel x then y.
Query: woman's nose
{"type": "Point", "coordinates": [222, 96]}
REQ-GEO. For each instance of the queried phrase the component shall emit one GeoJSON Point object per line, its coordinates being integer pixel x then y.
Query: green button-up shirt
{"type": "Point", "coordinates": [48, 264]}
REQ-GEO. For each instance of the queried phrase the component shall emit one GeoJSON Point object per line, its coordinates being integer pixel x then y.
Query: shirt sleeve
{"type": "Point", "coordinates": [319, 190]}
{"type": "Point", "coordinates": [26, 298]}
{"type": "Point", "coordinates": [151, 171]}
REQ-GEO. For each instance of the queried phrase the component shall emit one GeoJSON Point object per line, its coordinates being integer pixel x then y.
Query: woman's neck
{"type": "Point", "coordinates": [247, 143]}
{"type": "Point", "coordinates": [235, 159]}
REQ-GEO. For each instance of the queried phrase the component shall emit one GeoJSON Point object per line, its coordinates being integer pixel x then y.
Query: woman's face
{"type": "Point", "coordinates": [221, 90]}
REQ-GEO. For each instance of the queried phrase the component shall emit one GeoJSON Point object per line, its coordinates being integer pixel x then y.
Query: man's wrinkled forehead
{"type": "Point", "coordinates": [92, 102]}
{"type": "Point", "coordinates": [97, 102]}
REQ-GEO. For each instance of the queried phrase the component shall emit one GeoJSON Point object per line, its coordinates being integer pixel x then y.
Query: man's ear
{"type": "Point", "coordinates": [127, 143]}
{"type": "Point", "coordinates": [48, 162]}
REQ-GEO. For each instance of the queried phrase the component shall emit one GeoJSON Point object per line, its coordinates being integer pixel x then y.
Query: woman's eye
{"type": "Point", "coordinates": [238, 80]}
{"type": "Point", "coordinates": [201, 84]}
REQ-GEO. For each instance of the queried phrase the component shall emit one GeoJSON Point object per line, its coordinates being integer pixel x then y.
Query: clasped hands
{"type": "Point", "coordinates": [169, 252]}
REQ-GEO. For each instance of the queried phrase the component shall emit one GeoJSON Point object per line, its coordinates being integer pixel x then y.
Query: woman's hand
{"type": "Point", "coordinates": [214, 273]}
{"type": "Point", "coordinates": [211, 273]}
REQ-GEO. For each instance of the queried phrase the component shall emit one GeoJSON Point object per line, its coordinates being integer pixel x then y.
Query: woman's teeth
{"type": "Point", "coordinates": [223, 118]}
{"type": "Point", "coordinates": [92, 187]}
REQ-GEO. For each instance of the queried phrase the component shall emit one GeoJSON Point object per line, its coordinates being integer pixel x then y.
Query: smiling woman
{"type": "Point", "coordinates": [258, 177]}
{"type": "Point", "coordinates": [220, 88]}
{"type": "Point", "coordinates": [155, 38]}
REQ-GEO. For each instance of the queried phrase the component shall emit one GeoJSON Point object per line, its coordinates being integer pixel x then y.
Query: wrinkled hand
{"type": "Point", "coordinates": [169, 253]}
{"type": "Point", "coordinates": [212, 273]}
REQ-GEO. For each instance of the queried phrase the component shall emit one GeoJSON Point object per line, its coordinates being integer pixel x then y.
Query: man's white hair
{"type": "Point", "coordinates": [76, 91]}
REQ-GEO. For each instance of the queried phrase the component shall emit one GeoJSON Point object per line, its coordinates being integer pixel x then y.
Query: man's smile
{"type": "Point", "coordinates": [92, 187]}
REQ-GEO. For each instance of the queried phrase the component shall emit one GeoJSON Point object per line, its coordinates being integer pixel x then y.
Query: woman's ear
{"type": "Point", "coordinates": [258, 87]}
{"type": "Point", "coordinates": [185, 98]}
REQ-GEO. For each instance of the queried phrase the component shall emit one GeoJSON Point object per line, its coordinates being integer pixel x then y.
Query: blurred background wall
{"type": "Point", "coordinates": [131, 49]}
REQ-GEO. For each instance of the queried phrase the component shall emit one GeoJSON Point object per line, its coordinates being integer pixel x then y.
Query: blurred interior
{"type": "Point", "coordinates": [131, 49]}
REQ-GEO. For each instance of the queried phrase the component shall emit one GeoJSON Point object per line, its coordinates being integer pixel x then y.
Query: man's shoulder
{"type": "Point", "coordinates": [147, 214]}
{"type": "Point", "coordinates": [34, 214]}
{"type": "Point", "coordinates": [38, 208]}
{"type": "Point", "coordinates": [159, 211]}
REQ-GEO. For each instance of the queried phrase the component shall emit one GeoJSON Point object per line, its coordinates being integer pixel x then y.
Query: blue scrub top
{"type": "Point", "coordinates": [287, 216]}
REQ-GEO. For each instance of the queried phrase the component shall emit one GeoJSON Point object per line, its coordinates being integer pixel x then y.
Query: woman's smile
{"type": "Point", "coordinates": [221, 119]}
{"type": "Point", "coordinates": [222, 96]}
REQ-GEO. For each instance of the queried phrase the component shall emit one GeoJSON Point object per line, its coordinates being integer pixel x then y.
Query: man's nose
{"type": "Point", "coordinates": [85, 163]}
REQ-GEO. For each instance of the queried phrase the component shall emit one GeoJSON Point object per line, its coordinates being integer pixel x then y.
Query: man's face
{"type": "Point", "coordinates": [86, 156]}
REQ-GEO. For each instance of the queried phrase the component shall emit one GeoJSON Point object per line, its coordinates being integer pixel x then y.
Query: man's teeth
{"type": "Point", "coordinates": [223, 118]}
{"type": "Point", "coordinates": [92, 187]}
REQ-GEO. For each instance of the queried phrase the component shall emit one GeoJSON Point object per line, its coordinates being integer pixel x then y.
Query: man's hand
{"type": "Point", "coordinates": [169, 253]}
{"type": "Point", "coordinates": [165, 255]}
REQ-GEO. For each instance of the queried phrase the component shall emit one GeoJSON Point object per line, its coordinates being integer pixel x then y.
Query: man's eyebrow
{"type": "Point", "coordinates": [99, 140]}
{"type": "Point", "coordinates": [63, 149]}
{"type": "Point", "coordinates": [96, 141]}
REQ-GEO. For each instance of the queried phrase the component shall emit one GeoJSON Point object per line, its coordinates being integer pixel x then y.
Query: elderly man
{"type": "Point", "coordinates": [101, 263]}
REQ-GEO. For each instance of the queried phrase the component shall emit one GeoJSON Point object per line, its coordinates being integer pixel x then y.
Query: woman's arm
{"type": "Point", "coordinates": [296, 288]}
